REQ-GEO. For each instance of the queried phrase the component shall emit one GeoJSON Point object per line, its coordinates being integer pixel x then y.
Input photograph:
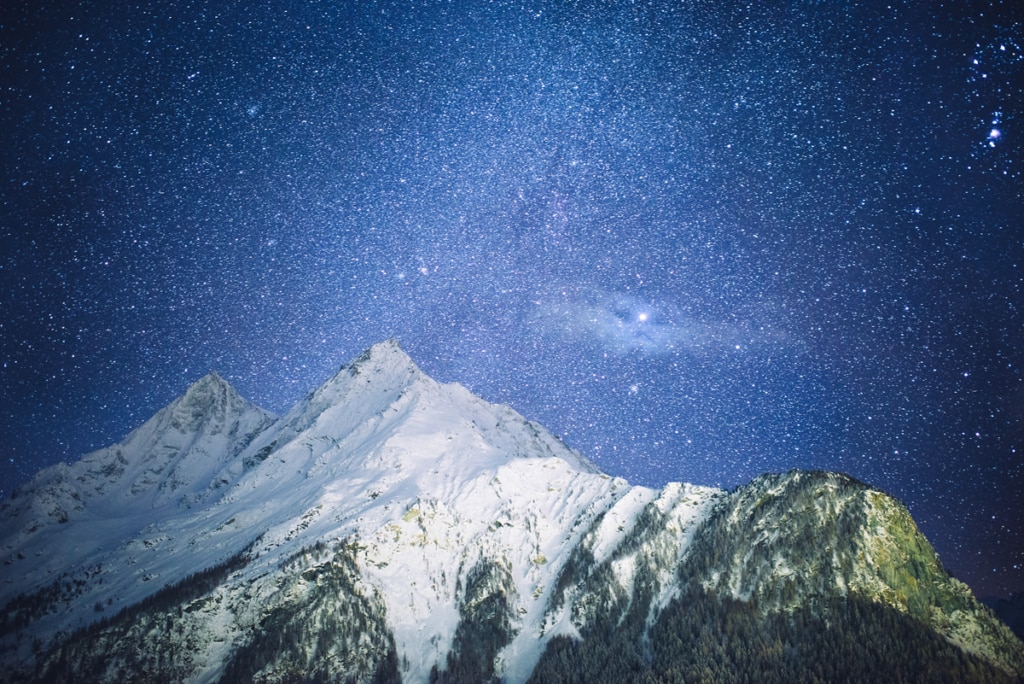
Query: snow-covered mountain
{"type": "Point", "coordinates": [392, 528]}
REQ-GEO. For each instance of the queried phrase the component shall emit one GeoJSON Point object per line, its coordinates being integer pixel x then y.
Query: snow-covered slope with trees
{"type": "Point", "coordinates": [389, 528]}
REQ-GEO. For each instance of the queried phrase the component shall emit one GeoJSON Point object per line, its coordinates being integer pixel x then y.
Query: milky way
{"type": "Point", "coordinates": [698, 240]}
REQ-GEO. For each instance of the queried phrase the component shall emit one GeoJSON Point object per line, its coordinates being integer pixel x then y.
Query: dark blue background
{"type": "Point", "coordinates": [699, 240]}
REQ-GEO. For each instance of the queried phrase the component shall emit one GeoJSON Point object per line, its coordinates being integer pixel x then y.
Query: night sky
{"type": "Point", "coordinates": [698, 240]}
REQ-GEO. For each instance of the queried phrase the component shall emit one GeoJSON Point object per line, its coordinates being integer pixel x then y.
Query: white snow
{"type": "Point", "coordinates": [426, 478]}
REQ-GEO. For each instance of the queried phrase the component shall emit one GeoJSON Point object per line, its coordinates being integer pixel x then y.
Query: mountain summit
{"type": "Point", "coordinates": [392, 528]}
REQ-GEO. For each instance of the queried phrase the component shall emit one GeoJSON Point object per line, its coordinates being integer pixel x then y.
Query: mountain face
{"type": "Point", "coordinates": [390, 528]}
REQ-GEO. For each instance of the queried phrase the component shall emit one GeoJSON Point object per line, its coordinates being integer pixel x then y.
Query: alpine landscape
{"type": "Point", "coordinates": [391, 528]}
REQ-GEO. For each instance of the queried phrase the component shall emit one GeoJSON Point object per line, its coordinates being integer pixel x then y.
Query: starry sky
{"type": "Point", "coordinates": [698, 240]}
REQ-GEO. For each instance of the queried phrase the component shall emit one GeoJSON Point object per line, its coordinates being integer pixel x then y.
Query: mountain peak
{"type": "Point", "coordinates": [211, 382]}
{"type": "Point", "coordinates": [211, 398]}
{"type": "Point", "coordinates": [383, 355]}
{"type": "Point", "coordinates": [383, 364]}
{"type": "Point", "coordinates": [360, 389]}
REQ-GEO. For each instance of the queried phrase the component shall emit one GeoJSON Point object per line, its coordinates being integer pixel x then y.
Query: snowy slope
{"type": "Point", "coordinates": [92, 517]}
{"type": "Point", "coordinates": [431, 480]}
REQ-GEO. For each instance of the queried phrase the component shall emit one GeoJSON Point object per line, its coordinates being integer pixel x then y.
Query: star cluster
{"type": "Point", "coordinates": [698, 240]}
